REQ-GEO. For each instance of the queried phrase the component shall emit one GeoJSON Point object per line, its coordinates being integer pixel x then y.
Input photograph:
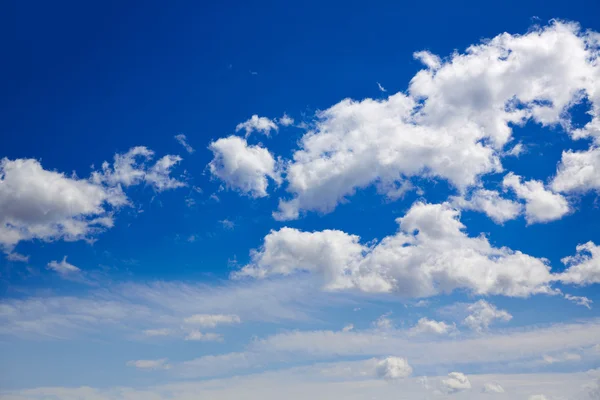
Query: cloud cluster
{"type": "Point", "coordinates": [393, 368]}
{"type": "Point", "coordinates": [454, 123]}
{"type": "Point", "coordinates": [36, 203]}
{"type": "Point", "coordinates": [429, 255]}
{"type": "Point", "coordinates": [456, 382]}
{"type": "Point", "coordinates": [482, 314]}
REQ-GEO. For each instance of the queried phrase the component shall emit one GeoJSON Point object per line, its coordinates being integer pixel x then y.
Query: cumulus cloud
{"type": "Point", "coordinates": [134, 167]}
{"type": "Point", "coordinates": [541, 205]}
{"type": "Point", "coordinates": [149, 364]}
{"type": "Point", "coordinates": [182, 140]}
{"type": "Point", "coordinates": [393, 368]}
{"type": "Point", "coordinates": [584, 266]}
{"type": "Point", "coordinates": [491, 203]}
{"type": "Point", "coordinates": [452, 124]}
{"type": "Point", "coordinates": [430, 254]}
{"type": "Point", "coordinates": [482, 314]}
{"type": "Point", "coordinates": [212, 320]}
{"type": "Point", "coordinates": [427, 326]}
{"type": "Point", "coordinates": [36, 203]}
{"type": "Point", "coordinates": [258, 124]}
{"type": "Point", "coordinates": [39, 204]}
{"type": "Point", "coordinates": [243, 167]}
{"type": "Point", "coordinates": [63, 267]}
{"type": "Point", "coordinates": [578, 171]}
{"type": "Point", "coordinates": [456, 382]}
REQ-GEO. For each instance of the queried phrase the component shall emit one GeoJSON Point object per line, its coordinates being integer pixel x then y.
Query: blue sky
{"type": "Point", "coordinates": [201, 199]}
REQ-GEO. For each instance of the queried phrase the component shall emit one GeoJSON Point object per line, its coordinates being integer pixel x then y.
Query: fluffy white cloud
{"type": "Point", "coordinates": [63, 267]}
{"type": "Point", "coordinates": [456, 382]}
{"type": "Point", "coordinates": [541, 205]}
{"type": "Point", "coordinates": [242, 167]}
{"type": "Point", "coordinates": [584, 266]}
{"type": "Point", "coordinates": [149, 364]}
{"type": "Point", "coordinates": [431, 327]}
{"type": "Point", "coordinates": [39, 204]}
{"type": "Point", "coordinates": [212, 320]}
{"type": "Point", "coordinates": [482, 314]}
{"type": "Point", "coordinates": [259, 124]}
{"type": "Point", "coordinates": [492, 387]}
{"type": "Point", "coordinates": [182, 140]}
{"type": "Point", "coordinates": [133, 168]}
{"type": "Point", "coordinates": [453, 123]}
{"type": "Point", "coordinates": [36, 203]}
{"type": "Point", "coordinates": [204, 337]}
{"type": "Point", "coordinates": [430, 254]}
{"type": "Point", "coordinates": [578, 171]}
{"type": "Point", "coordinates": [393, 368]}
{"type": "Point", "coordinates": [491, 203]}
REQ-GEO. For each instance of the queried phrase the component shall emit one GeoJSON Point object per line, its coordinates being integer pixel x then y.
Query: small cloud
{"type": "Point", "coordinates": [212, 320]}
{"type": "Point", "coordinates": [580, 300]}
{"type": "Point", "coordinates": [381, 88]}
{"type": "Point", "coordinates": [517, 150]}
{"type": "Point", "coordinates": [182, 140]}
{"type": "Point", "coordinates": [348, 328]}
{"type": "Point", "coordinates": [492, 387]}
{"type": "Point", "coordinates": [214, 197]}
{"type": "Point", "coordinates": [393, 368]}
{"type": "Point", "coordinates": [253, 72]}
{"type": "Point", "coordinates": [192, 238]}
{"type": "Point", "coordinates": [263, 125]}
{"type": "Point", "coordinates": [190, 202]}
{"type": "Point", "coordinates": [149, 364]}
{"type": "Point", "coordinates": [157, 332]}
{"type": "Point", "coordinates": [17, 257]}
{"type": "Point", "coordinates": [286, 120]}
{"type": "Point", "coordinates": [383, 322]}
{"type": "Point", "coordinates": [456, 382]}
{"type": "Point", "coordinates": [227, 224]}
{"type": "Point", "coordinates": [204, 337]}
{"type": "Point", "coordinates": [63, 268]}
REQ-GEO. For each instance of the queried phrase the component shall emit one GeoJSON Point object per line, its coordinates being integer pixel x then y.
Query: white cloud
{"type": "Point", "coordinates": [559, 358]}
{"type": "Point", "coordinates": [584, 266]}
{"type": "Point", "coordinates": [515, 151]}
{"type": "Point", "coordinates": [541, 205]}
{"type": "Point", "coordinates": [491, 203]}
{"type": "Point", "coordinates": [381, 88]}
{"type": "Point", "coordinates": [227, 224]}
{"type": "Point", "coordinates": [204, 337]}
{"type": "Point", "coordinates": [242, 167]}
{"type": "Point", "coordinates": [63, 267]}
{"type": "Point", "coordinates": [348, 328]}
{"type": "Point", "coordinates": [393, 368]}
{"type": "Point", "coordinates": [456, 382]}
{"type": "Point", "coordinates": [212, 320]}
{"type": "Point", "coordinates": [149, 364]}
{"type": "Point", "coordinates": [482, 314]}
{"type": "Point", "coordinates": [453, 124]}
{"type": "Point", "coordinates": [39, 204]}
{"type": "Point", "coordinates": [578, 171]}
{"type": "Point", "coordinates": [427, 326]}
{"type": "Point", "coordinates": [286, 120]}
{"type": "Point", "coordinates": [428, 59]}
{"type": "Point", "coordinates": [580, 300]}
{"type": "Point", "coordinates": [429, 255]}
{"type": "Point", "coordinates": [182, 140]}
{"type": "Point", "coordinates": [383, 322]}
{"type": "Point", "coordinates": [259, 124]}
{"type": "Point", "coordinates": [17, 257]}
{"type": "Point", "coordinates": [132, 168]}
{"type": "Point", "coordinates": [158, 332]}
{"type": "Point", "coordinates": [492, 387]}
